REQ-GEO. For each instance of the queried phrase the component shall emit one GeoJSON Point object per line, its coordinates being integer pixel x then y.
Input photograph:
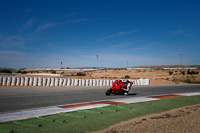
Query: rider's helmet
{"type": "Point", "coordinates": [127, 81]}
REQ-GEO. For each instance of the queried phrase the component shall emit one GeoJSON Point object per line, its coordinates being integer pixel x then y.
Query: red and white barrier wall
{"type": "Point", "coordinates": [39, 81]}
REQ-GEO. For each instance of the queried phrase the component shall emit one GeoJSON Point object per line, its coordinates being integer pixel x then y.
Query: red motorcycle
{"type": "Point", "coordinates": [119, 91]}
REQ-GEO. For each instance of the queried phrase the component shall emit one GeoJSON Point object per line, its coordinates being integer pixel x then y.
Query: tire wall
{"type": "Point", "coordinates": [38, 81]}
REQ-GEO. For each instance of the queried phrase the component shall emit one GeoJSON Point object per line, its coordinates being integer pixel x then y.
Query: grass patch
{"type": "Point", "coordinates": [98, 118]}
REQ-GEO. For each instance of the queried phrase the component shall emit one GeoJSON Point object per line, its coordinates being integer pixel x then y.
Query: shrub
{"type": "Point", "coordinates": [188, 71]}
{"type": "Point", "coordinates": [193, 72]}
{"type": "Point", "coordinates": [81, 74]}
{"type": "Point", "coordinates": [183, 72]}
{"type": "Point", "coordinates": [127, 77]}
{"type": "Point", "coordinates": [24, 72]}
{"type": "Point", "coordinates": [19, 71]}
{"type": "Point", "coordinates": [187, 81]}
{"type": "Point", "coordinates": [170, 72]}
{"type": "Point", "coordinates": [53, 71]}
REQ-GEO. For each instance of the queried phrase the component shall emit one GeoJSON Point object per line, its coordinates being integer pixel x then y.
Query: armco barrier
{"type": "Point", "coordinates": [38, 81]}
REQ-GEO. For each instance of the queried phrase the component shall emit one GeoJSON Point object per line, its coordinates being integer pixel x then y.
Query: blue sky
{"type": "Point", "coordinates": [44, 33]}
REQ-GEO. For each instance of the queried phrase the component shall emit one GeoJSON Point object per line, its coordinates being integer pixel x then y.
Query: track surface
{"type": "Point", "coordinates": [20, 98]}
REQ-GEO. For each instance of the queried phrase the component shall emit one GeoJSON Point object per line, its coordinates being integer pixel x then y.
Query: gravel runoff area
{"type": "Point", "coordinates": [181, 120]}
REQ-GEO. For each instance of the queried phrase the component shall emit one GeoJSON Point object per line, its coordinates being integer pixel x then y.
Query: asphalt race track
{"type": "Point", "coordinates": [21, 98]}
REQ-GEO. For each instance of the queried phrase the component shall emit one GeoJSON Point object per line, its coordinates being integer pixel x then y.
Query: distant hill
{"type": "Point", "coordinates": [168, 66]}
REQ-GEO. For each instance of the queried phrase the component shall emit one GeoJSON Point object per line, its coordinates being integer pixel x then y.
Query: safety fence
{"type": "Point", "coordinates": [39, 81]}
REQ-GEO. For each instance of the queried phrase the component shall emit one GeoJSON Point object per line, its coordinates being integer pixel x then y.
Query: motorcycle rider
{"type": "Point", "coordinates": [115, 83]}
{"type": "Point", "coordinates": [128, 87]}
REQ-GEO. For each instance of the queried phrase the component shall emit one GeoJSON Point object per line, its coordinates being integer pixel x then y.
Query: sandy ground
{"type": "Point", "coordinates": [157, 77]}
{"type": "Point", "coordinates": [181, 120]}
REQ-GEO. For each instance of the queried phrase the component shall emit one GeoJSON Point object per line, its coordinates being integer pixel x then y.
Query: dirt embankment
{"type": "Point", "coordinates": [157, 77]}
{"type": "Point", "coordinates": [181, 120]}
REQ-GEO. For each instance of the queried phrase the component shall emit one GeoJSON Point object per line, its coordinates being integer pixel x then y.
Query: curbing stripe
{"type": "Point", "coordinates": [94, 103]}
{"type": "Point", "coordinates": [167, 96]}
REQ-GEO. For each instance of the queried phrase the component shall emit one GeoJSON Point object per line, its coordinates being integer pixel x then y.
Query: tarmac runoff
{"type": "Point", "coordinates": [38, 112]}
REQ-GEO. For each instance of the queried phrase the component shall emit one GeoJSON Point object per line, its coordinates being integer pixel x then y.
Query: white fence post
{"type": "Point", "coordinates": [31, 81]}
{"type": "Point", "coordinates": [39, 81]}
{"type": "Point", "coordinates": [83, 82]}
{"type": "Point", "coordinates": [97, 82]}
{"type": "Point", "coordinates": [26, 81]}
{"type": "Point", "coordinates": [75, 82]}
{"type": "Point", "coordinates": [13, 83]}
{"type": "Point", "coordinates": [64, 82]}
{"type": "Point", "coordinates": [1, 81]}
{"type": "Point", "coordinates": [44, 81]}
{"type": "Point", "coordinates": [100, 82]}
{"type": "Point", "coordinates": [111, 82]}
{"type": "Point", "coordinates": [35, 81]}
{"type": "Point", "coordinates": [9, 79]}
{"type": "Point", "coordinates": [48, 82]}
{"type": "Point", "coordinates": [104, 82]}
{"type": "Point", "coordinates": [72, 82]}
{"type": "Point", "coordinates": [22, 81]}
{"type": "Point", "coordinates": [94, 82]}
{"type": "Point", "coordinates": [90, 82]}
{"type": "Point", "coordinates": [56, 81]}
{"type": "Point", "coordinates": [52, 82]}
{"type": "Point", "coordinates": [68, 82]}
{"type": "Point", "coordinates": [108, 83]}
{"type": "Point", "coordinates": [79, 82]}
{"type": "Point", "coordinates": [60, 81]}
{"type": "Point", "coordinates": [18, 81]}
{"type": "Point", "coordinates": [86, 82]}
{"type": "Point", "coordinates": [4, 81]}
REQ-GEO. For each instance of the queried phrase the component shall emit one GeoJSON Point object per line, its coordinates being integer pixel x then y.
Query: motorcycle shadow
{"type": "Point", "coordinates": [132, 94]}
{"type": "Point", "coordinates": [129, 94]}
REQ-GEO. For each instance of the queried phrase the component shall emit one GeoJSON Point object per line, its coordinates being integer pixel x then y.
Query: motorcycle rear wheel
{"type": "Point", "coordinates": [108, 92]}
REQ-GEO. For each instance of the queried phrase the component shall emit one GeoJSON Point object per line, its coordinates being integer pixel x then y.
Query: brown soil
{"type": "Point", "coordinates": [157, 77]}
{"type": "Point", "coordinates": [181, 120]}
